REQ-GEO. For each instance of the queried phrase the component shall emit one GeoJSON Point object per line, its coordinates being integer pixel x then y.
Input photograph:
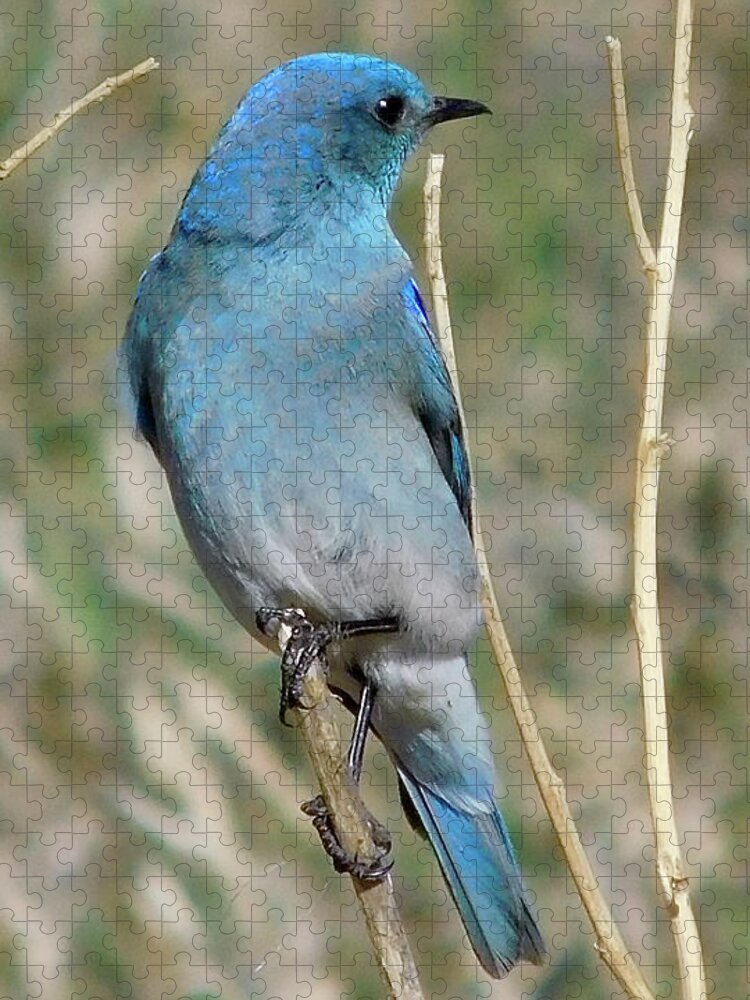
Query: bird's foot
{"type": "Point", "coordinates": [308, 642]}
{"type": "Point", "coordinates": [344, 862]}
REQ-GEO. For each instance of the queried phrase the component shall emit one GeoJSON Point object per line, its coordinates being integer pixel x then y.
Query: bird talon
{"type": "Point", "coordinates": [314, 807]}
{"type": "Point", "coordinates": [270, 620]}
{"type": "Point", "coordinates": [307, 642]}
{"type": "Point", "coordinates": [344, 862]}
{"type": "Point", "coordinates": [381, 836]}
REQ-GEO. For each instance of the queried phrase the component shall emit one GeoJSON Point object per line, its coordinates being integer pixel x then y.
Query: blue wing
{"type": "Point", "coordinates": [438, 411]}
{"type": "Point", "coordinates": [136, 348]}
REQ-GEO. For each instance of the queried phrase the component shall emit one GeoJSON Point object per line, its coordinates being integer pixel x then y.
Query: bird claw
{"type": "Point", "coordinates": [343, 862]}
{"type": "Point", "coordinates": [308, 642]}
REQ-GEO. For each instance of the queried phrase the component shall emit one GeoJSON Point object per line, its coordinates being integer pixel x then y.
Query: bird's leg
{"type": "Point", "coordinates": [309, 642]}
{"type": "Point", "coordinates": [380, 834]}
{"type": "Point", "coordinates": [367, 626]}
{"type": "Point", "coordinates": [359, 734]}
{"type": "Point", "coordinates": [306, 643]}
{"type": "Point", "coordinates": [342, 861]}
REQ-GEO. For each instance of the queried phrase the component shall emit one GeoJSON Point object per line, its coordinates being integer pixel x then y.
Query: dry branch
{"type": "Point", "coordinates": [104, 89]}
{"type": "Point", "coordinates": [321, 732]}
{"type": "Point", "coordinates": [660, 267]}
{"type": "Point", "coordinates": [609, 942]}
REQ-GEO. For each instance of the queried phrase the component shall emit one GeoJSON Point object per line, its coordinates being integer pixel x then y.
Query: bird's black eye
{"type": "Point", "coordinates": [390, 110]}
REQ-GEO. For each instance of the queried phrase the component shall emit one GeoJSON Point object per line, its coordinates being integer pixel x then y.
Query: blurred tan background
{"type": "Point", "coordinates": [151, 843]}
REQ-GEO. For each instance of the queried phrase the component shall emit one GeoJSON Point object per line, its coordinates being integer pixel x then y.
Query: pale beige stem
{"type": "Point", "coordinates": [104, 89]}
{"type": "Point", "coordinates": [435, 269]}
{"type": "Point", "coordinates": [609, 942]}
{"type": "Point", "coordinates": [622, 131]}
{"type": "Point", "coordinates": [323, 739]}
{"type": "Point", "coordinates": [660, 267]}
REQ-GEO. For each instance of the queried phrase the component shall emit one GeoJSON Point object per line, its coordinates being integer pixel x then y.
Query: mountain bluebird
{"type": "Point", "coordinates": [287, 379]}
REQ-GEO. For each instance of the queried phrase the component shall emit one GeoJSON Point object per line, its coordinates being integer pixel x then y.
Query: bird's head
{"type": "Point", "coordinates": [330, 122]}
{"type": "Point", "coordinates": [352, 114]}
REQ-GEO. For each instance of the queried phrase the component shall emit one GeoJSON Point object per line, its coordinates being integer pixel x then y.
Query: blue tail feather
{"type": "Point", "coordinates": [477, 859]}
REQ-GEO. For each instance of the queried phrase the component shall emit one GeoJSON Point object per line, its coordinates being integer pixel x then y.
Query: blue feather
{"type": "Point", "coordinates": [477, 860]}
{"type": "Point", "coordinates": [438, 410]}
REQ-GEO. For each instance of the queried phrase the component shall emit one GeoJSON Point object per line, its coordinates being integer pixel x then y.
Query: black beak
{"type": "Point", "coordinates": [448, 109]}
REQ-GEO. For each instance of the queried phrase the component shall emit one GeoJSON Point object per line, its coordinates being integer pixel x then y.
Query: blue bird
{"type": "Point", "coordinates": [287, 379]}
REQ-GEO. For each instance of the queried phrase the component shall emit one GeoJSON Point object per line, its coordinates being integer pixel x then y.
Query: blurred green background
{"type": "Point", "coordinates": [151, 843]}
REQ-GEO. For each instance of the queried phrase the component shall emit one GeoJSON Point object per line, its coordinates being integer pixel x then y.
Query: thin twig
{"type": "Point", "coordinates": [61, 119]}
{"type": "Point", "coordinates": [321, 732]}
{"type": "Point", "coordinates": [609, 942]}
{"type": "Point", "coordinates": [622, 129]}
{"type": "Point", "coordinates": [660, 267]}
{"type": "Point", "coordinates": [435, 269]}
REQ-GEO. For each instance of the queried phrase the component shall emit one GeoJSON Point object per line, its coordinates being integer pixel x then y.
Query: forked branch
{"type": "Point", "coordinates": [660, 268]}
{"type": "Point", "coordinates": [609, 942]}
